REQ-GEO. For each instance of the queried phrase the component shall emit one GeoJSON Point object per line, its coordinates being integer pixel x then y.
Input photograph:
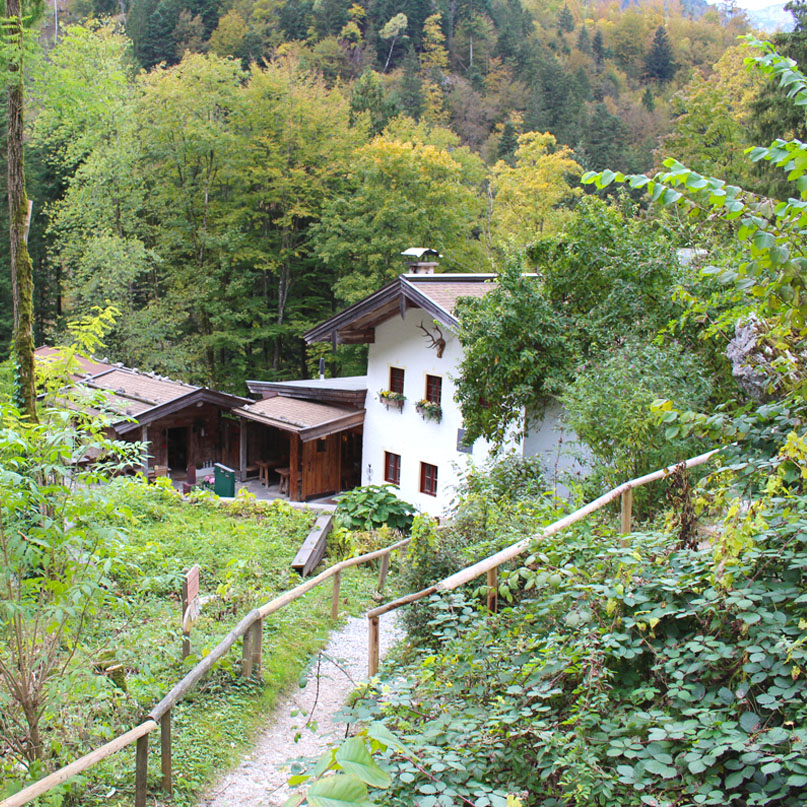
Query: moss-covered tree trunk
{"type": "Point", "coordinates": [22, 270]}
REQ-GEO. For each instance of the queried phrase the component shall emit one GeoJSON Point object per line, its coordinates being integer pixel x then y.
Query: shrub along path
{"type": "Point", "coordinates": [260, 779]}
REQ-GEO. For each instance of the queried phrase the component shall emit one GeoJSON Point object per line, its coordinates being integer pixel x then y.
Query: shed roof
{"type": "Point", "coordinates": [308, 419]}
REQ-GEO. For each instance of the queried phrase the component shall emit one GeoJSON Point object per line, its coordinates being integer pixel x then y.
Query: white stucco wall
{"type": "Point", "coordinates": [557, 447]}
{"type": "Point", "coordinates": [400, 343]}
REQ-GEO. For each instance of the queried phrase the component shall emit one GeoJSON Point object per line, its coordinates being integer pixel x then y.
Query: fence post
{"type": "Point", "coordinates": [372, 665]}
{"type": "Point", "coordinates": [337, 579]}
{"type": "Point", "coordinates": [382, 576]}
{"type": "Point", "coordinates": [257, 645]}
{"type": "Point", "coordinates": [627, 507]}
{"type": "Point", "coordinates": [493, 589]}
{"type": "Point", "coordinates": [141, 770]}
{"type": "Point", "coordinates": [165, 752]}
{"type": "Point", "coordinates": [246, 654]}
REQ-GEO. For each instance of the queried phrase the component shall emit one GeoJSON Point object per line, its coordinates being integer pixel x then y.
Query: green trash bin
{"type": "Point", "coordinates": [224, 482]}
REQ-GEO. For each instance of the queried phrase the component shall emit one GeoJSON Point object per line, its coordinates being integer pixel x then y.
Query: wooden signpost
{"type": "Point", "coordinates": [190, 606]}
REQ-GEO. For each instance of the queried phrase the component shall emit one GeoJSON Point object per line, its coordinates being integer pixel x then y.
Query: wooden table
{"type": "Point", "coordinates": [263, 473]}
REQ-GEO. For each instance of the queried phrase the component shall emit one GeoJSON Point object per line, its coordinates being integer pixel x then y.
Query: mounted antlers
{"type": "Point", "coordinates": [438, 343]}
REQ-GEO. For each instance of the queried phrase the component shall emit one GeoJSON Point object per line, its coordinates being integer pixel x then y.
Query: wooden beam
{"type": "Point", "coordinates": [294, 468]}
{"type": "Point", "coordinates": [165, 753]}
{"type": "Point", "coordinates": [627, 511]}
{"type": "Point", "coordinates": [144, 438]}
{"type": "Point", "coordinates": [312, 549]}
{"type": "Point", "coordinates": [382, 575]}
{"type": "Point", "coordinates": [493, 589]}
{"type": "Point", "coordinates": [372, 663]}
{"type": "Point", "coordinates": [242, 450]}
{"type": "Point", "coordinates": [141, 770]}
{"type": "Point", "coordinates": [356, 337]}
{"type": "Point", "coordinates": [337, 579]}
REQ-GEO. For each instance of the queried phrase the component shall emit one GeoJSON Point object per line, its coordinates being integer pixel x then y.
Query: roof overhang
{"type": "Point", "coordinates": [342, 395]}
{"type": "Point", "coordinates": [348, 420]}
{"type": "Point", "coordinates": [356, 324]}
{"type": "Point", "coordinates": [197, 396]}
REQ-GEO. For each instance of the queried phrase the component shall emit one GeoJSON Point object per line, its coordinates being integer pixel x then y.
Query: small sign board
{"type": "Point", "coordinates": [190, 605]}
{"type": "Point", "coordinates": [462, 447]}
{"type": "Point", "coordinates": [191, 584]}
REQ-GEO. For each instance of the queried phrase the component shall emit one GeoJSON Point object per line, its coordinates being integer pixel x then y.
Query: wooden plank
{"type": "Point", "coordinates": [493, 589]}
{"type": "Point", "coordinates": [165, 753]}
{"type": "Point", "coordinates": [393, 604]}
{"type": "Point", "coordinates": [372, 664]}
{"type": "Point", "coordinates": [81, 764]}
{"type": "Point", "coordinates": [627, 511]}
{"type": "Point", "coordinates": [246, 655]}
{"type": "Point", "coordinates": [312, 549]}
{"type": "Point", "coordinates": [242, 449]}
{"type": "Point", "coordinates": [294, 465]}
{"type": "Point", "coordinates": [382, 575]}
{"type": "Point", "coordinates": [141, 770]}
{"type": "Point", "coordinates": [256, 645]}
{"type": "Point", "coordinates": [337, 580]}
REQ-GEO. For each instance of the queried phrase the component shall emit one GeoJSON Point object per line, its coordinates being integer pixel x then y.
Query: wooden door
{"type": "Point", "coordinates": [321, 466]}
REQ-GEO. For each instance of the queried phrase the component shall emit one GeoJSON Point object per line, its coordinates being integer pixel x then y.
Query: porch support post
{"type": "Point", "coordinates": [242, 451]}
{"type": "Point", "coordinates": [144, 438]}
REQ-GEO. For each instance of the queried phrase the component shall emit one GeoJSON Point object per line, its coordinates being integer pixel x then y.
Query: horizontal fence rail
{"type": "Point", "coordinates": [251, 629]}
{"type": "Point", "coordinates": [490, 565]}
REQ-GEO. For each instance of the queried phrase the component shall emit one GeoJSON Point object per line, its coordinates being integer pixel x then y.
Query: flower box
{"type": "Point", "coordinates": [392, 400]}
{"type": "Point", "coordinates": [429, 410]}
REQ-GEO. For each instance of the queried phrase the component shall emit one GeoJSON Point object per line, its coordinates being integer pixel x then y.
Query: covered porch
{"type": "Point", "coordinates": [308, 449]}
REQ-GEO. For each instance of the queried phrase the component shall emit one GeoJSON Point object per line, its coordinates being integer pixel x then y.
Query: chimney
{"type": "Point", "coordinates": [421, 260]}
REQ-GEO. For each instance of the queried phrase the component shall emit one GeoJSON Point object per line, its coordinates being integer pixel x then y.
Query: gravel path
{"type": "Point", "coordinates": [260, 778]}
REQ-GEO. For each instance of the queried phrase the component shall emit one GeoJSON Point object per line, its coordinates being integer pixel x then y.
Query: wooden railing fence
{"type": "Point", "coordinates": [490, 566]}
{"type": "Point", "coordinates": [251, 628]}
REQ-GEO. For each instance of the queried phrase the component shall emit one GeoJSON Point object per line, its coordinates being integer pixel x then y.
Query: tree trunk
{"type": "Point", "coordinates": [22, 270]}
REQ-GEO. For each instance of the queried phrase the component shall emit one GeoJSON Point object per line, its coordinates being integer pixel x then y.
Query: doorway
{"type": "Point", "coordinates": [177, 448]}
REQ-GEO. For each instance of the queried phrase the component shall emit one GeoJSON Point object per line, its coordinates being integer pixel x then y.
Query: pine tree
{"type": "Point", "coordinates": [410, 90]}
{"type": "Point", "coordinates": [508, 144]}
{"type": "Point", "coordinates": [565, 20]}
{"type": "Point", "coordinates": [659, 65]}
{"type": "Point", "coordinates": [597, 47]}
{"type": "Point", "coordinates": [584, 40]}
{"type": "Point", "coordinates": [647, 100]}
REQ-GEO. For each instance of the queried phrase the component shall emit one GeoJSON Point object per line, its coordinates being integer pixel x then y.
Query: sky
{"type": "Point", "coordinates": [750, 4]}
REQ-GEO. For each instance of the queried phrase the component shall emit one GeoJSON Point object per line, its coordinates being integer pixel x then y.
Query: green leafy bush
{"type": "Point", "coordinates": [631, 675]}
{"type": "Point", "coordinates": [373, 506]}
{"type": "Point", "coordinates": [609, 408]}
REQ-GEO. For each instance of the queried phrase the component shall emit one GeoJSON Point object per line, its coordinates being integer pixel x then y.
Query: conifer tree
{"type": "Point", "coordinates": [659, 65]}
{"type": "Point", "coordinates": [410, 91]}
{"type": "Point", "coordinates": [597, 47]}
{"type": "Point", "coordinates": [508, 144]}
{"type": "Point", "coordinates": [565, 20]}
{"type": "Point", "coordinates": [584, 40]}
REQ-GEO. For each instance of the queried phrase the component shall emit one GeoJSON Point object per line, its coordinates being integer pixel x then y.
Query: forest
{"type": "Point", "coordinates": [211, 180]}
{"type": "Point", "coordinates": [228, 174]}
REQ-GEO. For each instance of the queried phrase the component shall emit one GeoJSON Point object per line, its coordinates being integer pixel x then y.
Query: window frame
{"type": "Point", "coordinates": [428, 478]}
{"type": "Point", "coordinates": [433, 381]}
{"type": "Point", "coordinates": [392, 460]}
{"type": "Point", "coordinates": [394, 386]}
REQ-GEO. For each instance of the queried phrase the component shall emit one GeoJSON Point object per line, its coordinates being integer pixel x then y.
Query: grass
{"type": "Point", "coordinates": [244, 552]}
